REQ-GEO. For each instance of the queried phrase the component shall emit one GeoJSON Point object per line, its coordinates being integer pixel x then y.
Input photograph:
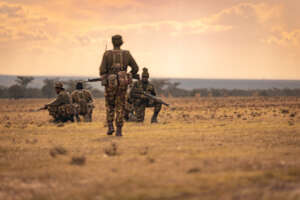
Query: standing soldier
{"type": "Point", "coordinates": [61, 109]}
{"type": "Point", "coordinates": [113, 71]}
{"type": "Point", "coordinates": [83, 101]}
{"type": "Point", "coordinates": [140, 101]}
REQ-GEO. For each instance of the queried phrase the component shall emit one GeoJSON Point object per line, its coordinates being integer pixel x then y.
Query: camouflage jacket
{"type": "Point", "coordinates": [79, 95]}
{"type": "Point", "coordinates": [62, 98]}
{"type": "Point", "coordinates": [139, 86]}
{"type": "Point", "coordinates": [125, 61]}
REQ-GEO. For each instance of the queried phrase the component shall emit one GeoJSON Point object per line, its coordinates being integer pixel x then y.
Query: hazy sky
{"type": "Point", "coordinates": [174, 38]}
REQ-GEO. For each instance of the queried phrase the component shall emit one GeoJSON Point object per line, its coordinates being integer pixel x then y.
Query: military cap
{"type": "Point", "coordinates": [117, 40]}
{"type": "Point", "coordinates": [116, 37]}
{"type": "Point", "coordinates": [59, 85]}
{"type": "Point", "coordinates": [145, 72]}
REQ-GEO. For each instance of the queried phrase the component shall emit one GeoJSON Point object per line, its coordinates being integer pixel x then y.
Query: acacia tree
{"type": "Point", "coordinates": [24, 80]}
{"type": "Point", "coordinates": [18, 90]}
{"type": "Point", "coordinates": [160, 85]}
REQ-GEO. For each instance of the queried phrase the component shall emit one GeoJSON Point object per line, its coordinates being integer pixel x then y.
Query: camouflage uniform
{"type": "Point", "coordinates": [129, 107]}
{"type": "Point", "coordinates": [140, 102]}
{"type": "Point", "coordinates": [114, 69]}
{"type": "Point", "coordinates": [61, 109]}
{"type": "Point", "coordinates": [83, 101]}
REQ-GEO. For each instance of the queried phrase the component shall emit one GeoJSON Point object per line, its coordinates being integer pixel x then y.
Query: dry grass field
{"type": "Point", "coordinates": [202, 148]}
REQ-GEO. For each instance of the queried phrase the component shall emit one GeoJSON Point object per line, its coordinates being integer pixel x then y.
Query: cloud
{"type": "Point", "coordinates": [261, 12]}
{"type": "Point", "coordinates": [19, 23]}
{"type": "Point", "coordinates": [217, 33]}
{"type": "Point", "coordinates": [35, 22]}
{"type": "Point", "coordinates": [284, 38]}
{"type": "Point", "coordinates": [11, 10]}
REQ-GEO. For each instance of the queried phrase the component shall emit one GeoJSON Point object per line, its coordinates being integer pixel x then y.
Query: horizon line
{"type": "Point", "coordinates": [269, 79]}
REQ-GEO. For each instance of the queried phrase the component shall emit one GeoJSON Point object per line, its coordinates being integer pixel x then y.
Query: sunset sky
{"type": "Point", "coordinates": [253, 39]}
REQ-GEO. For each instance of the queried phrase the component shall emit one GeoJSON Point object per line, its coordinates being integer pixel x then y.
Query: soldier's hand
{"type": "Point", "coordinates": [143, 96]}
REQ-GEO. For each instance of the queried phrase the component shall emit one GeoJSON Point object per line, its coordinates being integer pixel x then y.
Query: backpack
{"type": "Point", "coordinates": [120, 69]}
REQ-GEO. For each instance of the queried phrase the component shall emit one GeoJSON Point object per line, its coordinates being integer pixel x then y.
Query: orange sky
{"type": "Point", "coordinates": [257, 39]}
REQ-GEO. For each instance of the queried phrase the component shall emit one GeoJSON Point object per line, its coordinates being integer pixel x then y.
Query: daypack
{"type": "Point", "coordinates": [120, 70]}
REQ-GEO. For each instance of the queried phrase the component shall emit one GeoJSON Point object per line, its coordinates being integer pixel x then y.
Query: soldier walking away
{"type": "Point", "coordinates": [61, 109]}
{"type": "Point", "coordinates": [141, 101]}
{"type": "Point", "coordinates": [113, 72]}
{"type": "Point", "coordinates": [83, 102]}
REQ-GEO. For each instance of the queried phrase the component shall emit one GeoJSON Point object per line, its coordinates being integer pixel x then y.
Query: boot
{"type": "Point", "coordinates": [111, 129]}
{"type": "Point", "coordinates": [154, 118]}
{"type": "Point", "coordinates": [77, 118]}
{"type": "Point", "coordinates": [119, 131]}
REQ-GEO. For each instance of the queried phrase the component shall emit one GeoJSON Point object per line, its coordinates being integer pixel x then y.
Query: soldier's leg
{"type": "Point", "coordinates": [126, 113]}
{"type": "Point", "coordinates": [77, 117]}
{"type": "Point", "coordinates": [57, 119]}
{"type": "Point", "coordinates": [110, 111]}
{"type": "Point", "coordinates": [129, 112]}
{"type": "Point", "coordinates": [120, 104]}
{"type": "Point", "coordinates": [63, 119]}
{"type": "Point", "coordinates": [89, 116]}
{"type": "Point", "coordinates": [53, 113]}
{"type": "Point", "coordinates": [86, 117]}
{"type": "Point", "coordinates": [71, 118]}
{"type": "Point", "coordinates": [140, 112]}
{"type": "Point", "coordinates": [157, 108]}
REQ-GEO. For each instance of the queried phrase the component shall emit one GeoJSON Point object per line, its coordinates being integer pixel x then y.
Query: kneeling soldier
{"type": "Point", "coordinates": [83, 102]}
{"type": "Point", "coordinates": [61, 109]}
{"type": "Point", "coordinates": [140, 101]}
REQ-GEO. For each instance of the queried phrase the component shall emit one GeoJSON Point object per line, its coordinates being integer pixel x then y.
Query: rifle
{"type": "Point", "coordinates": [94, 79]}
{"type": "Point", "coordinates": [152, 97]}
{"type": "Point", "coordinates": [42, 108]}
{"type": "Point", "coordinates": [134, 76]}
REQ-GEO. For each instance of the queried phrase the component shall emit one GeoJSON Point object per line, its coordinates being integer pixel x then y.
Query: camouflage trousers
{"type": "Point", "coordinates": [115, 102]}
{"type": "Point", "coordinates": [129, 111]}
{"type": "Point", "coordinates": [85, 110]}
{"type": "Point", "coordinates": [140, 108]}
{"type": "Point", "coordinates": [62, 113]}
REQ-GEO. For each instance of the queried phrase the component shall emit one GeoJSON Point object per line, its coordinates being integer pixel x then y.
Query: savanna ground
{"type": "Point", "coordinates": [202, 148]}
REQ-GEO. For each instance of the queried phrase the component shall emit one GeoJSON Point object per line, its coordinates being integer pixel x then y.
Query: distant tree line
{"type": "Point", "coordinates": [21, 90]}
{"type": "Point", "coordinates": [166, 88]}
{"type": "Point", "coordinates": [163, 87]}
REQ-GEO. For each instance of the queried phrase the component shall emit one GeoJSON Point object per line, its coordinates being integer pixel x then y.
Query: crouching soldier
{"type": "Point", "coordinates": [61, 109]}
{"type": "Point", "coordinates": [140, 101]}
{"type": "Point", "coordinates": [83, 101]}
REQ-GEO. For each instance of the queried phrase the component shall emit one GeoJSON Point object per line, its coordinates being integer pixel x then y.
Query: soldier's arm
{"type": "Point", "coordinates": [133, 90]}
{"type": "Point", "coordinates": [58, 101]}
{"type": "Point", "coordinates": [103, 67]}
{"type": "Point", "coordinates": [89, 96]}
{"type": "Point", "coordinates": [73, 97]}
{"type": "Point", "coordinates": [152, 91]}
{"type": "Point", "coordinates": [132, 64]}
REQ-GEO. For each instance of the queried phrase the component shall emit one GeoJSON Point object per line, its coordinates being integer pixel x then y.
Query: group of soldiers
{"type": "Point", "coordinates": [125, 98]}
{"type": "Point", "coordinates": [66, 107]}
